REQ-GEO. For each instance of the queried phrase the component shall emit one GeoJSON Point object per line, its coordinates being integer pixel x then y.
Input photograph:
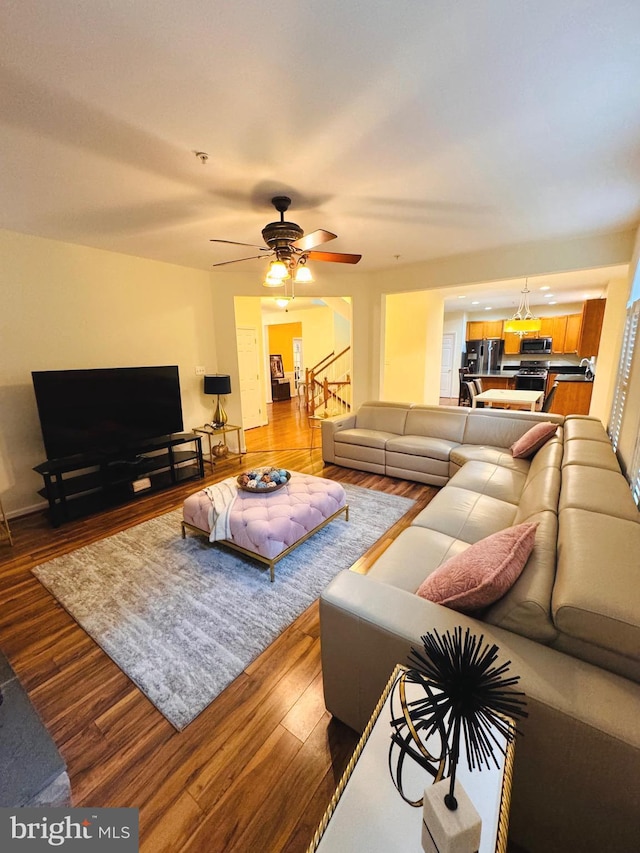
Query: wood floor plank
{"type": "Point", "coordinates": [266, 741]}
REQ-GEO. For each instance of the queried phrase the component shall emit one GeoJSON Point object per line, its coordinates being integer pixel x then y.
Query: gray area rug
{"type": "Point", "coordinates": [183, 618]}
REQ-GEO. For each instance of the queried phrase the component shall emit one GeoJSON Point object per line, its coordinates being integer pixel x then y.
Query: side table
{"type": "Point", "coordinates": [222, 433]}
{"type": "Point", "coordinates": [5, 532]}
{"type": "Point", "coordinates": [367, 812]}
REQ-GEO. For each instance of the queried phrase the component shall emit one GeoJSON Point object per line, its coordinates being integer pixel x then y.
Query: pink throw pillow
{"type": "Point", "coordinates": [533, 440]}
{"type": "Point", "coordinates": [484, 572]}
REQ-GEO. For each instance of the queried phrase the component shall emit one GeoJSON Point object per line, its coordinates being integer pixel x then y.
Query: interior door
{"type": "Point", "coordinates": [249, 369]}
{"type": "Point", "coordinates": [446, 370]}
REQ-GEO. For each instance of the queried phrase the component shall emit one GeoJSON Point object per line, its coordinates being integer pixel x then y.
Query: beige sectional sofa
{"type": "Point", "coordinates": [570, 624]}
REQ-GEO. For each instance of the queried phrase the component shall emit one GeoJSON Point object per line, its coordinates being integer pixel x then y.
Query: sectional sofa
{"type": "Point", "coordinates": [570, 624]}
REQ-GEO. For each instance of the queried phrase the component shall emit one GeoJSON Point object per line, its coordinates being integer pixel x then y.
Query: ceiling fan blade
{"type": "Point", "coordinates": [314, 238]}
{"type": "Point", "coordinates": [235, 243]}
{"type": "Point", "coordinates": [237, 260]}
{"type": "Point", "coordinates": [335, 257]}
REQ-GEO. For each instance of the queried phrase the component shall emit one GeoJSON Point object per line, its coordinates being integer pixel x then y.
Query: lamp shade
{"type": "Point", "coordinates": [217, 383]}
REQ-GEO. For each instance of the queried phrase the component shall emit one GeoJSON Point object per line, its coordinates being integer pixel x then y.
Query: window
{"type": "Point", "coordinates": [624, 375]}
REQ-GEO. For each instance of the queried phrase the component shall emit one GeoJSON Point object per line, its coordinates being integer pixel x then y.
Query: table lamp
{"type": "Point", "coordinates": [218, 384]}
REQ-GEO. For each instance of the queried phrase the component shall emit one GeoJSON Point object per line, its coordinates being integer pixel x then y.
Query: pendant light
{"type": "Point", "coordinates": [523, 320]}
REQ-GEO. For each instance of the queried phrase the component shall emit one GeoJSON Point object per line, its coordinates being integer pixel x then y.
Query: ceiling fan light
{"type": "Point", "coordinates": [303, 275]}
{"type": "Point", "coordinates": [271, 281]}
{"type": "Point", "coordinates": [283, 301]}
{"type": "Point", "coordinates": [278, 270]}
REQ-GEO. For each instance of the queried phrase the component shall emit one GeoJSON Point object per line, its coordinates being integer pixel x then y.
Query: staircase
{"type": "Point", "coordinates": [328, 386]}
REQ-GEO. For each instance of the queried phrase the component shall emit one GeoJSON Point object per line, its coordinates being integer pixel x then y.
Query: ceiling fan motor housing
{"type": "Point", "coordinates": [280, 235]}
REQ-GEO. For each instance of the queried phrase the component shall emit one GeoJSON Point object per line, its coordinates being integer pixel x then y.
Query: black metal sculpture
{"type": "Point", "coordinates": [465, 695]}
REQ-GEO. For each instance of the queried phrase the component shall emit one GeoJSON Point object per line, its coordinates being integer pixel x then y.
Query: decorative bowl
{"type": "Point", "coordinates": [263, 481]}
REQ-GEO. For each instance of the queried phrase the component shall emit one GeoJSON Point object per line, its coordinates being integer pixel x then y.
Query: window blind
{"type": "Point", "coordinates": [624, 373]}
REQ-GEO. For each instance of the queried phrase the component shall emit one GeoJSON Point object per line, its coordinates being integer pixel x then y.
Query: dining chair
{"type": "Point", "coordinates": [473, 392]}
{"type": "Point", "coordinates": [548, 400]}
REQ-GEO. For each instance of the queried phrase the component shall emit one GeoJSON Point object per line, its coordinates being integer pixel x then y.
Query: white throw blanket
{"type": "Point", "coordinates": [222, 496]}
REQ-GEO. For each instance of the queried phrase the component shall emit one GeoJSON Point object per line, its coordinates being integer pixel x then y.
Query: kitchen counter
{"type": "Point", "coordinates": [571, 377]}
{"type": "Point", "coordinates": [494, 374]}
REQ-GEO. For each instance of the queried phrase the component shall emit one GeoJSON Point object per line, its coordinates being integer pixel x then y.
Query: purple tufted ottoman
{"type": "Point", "coordinates": [268, 526]}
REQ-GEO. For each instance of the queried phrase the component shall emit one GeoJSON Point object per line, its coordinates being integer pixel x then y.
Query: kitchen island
{"type": "Point", "coordinates": [573, 394]}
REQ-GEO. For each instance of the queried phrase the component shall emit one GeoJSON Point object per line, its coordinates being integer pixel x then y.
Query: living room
{"type": "Point", "coordinates": [107, 262]}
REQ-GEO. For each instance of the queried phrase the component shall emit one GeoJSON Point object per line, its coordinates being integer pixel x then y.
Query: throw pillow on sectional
{"type": "Point", "coordinates": [484, 572]}
{"type": "Point", "coordinates": [533, 439]}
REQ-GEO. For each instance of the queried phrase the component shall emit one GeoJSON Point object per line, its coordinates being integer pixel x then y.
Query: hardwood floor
{"type": "Point", "coordinates": [256, 770]}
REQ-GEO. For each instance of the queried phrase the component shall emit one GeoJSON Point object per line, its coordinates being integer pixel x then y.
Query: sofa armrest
{"type": "Point", "coordinates": [329, 427]}
{"type": "Point", "coordinates": [581, 739]}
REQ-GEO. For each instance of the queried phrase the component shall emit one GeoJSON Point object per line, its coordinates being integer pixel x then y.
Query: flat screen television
{"type": "Point", "coordinates": [106, 409]}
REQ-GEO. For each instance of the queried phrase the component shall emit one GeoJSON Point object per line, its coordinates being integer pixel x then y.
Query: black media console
{"type": "Point", "coordinates": [89, 482]}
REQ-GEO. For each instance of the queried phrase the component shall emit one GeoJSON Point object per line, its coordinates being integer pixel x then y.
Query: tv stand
{"type": "Point", "coordinates": [89, 482]}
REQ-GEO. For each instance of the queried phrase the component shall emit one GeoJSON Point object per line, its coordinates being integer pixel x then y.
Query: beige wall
{"type": "Point", "coordinates": [413, 347]}
{"type": "Point", "coordinates": [318, 335]}
{"type": "Point", "coordinates": [65, 306]}
{"type": "Point", "coordinates": [609, 350]}
{"type": "Point", "coordinates": [248, 314]}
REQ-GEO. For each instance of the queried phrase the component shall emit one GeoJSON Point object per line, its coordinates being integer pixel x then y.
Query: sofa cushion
{"type": "Point", "coordinates": [436, 422]}
{"type": "Point", "coordinates": [526, 608]}
{"type": "Point", "coordinates": [505, 484]}
{"type": "Point", "coordinates": [364, 437]}
{"type": "Point", "coordinates": [486, 453]}
{"type": "Point", "coordinates": [591, 452]}
{"type": "Point", "coordinates": [596, 596]}
{"type": "Point", "coordinates": [387, 417]}
{"type": "Point", "coordinates": [466, 515]}
{"type": "Point", "coordinates": [483, 573]}
{"type": "Point", "coordinates": [597, 490]}
{"type": "Point", "coordinates": [533, 439]}
{"type": "Point", "coordinates": [421, 445]}
{"type": "Point", "coordinates": [501, 429]}
{"type": "Point", "coordinates": [415, 553]}
{"type": "Point", "coordinates": [581, 426]}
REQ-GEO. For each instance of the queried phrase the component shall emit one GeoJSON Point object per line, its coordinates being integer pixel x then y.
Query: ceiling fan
{"type": "Point", "coordinates": [290, 248]}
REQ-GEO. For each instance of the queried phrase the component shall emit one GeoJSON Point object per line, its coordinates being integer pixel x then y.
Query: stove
{"type": "Point", "coordinates": [532, 375]}
{"type": "Point", "coordinates": [534, 368]}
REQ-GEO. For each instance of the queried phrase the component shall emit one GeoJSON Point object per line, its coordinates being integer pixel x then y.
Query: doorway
{"type": "Point", "coordinates": [249, 373]}
{"type": "Point", "coordinates": [446, 370]}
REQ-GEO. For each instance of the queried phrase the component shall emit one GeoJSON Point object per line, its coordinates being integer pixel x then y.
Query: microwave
{"type": "Point", "coordinates": [535, 345]}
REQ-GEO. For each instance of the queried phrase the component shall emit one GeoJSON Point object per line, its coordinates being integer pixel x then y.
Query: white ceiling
{"type": "Point", "coordinates": [410, 129]}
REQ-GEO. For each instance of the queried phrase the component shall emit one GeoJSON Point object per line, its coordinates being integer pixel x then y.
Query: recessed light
{"type": "Point", "coordinates": [475, 303]}
{"type": "Point", "coordinates": [462, 297]}
{"type": "Point", "coordinates": [553, 302]}
{"type": "Point", "coordinates": [548, 295]}
{"type": "Point", "coordinates": [488, 308]}
{"type": "Point", "coordinates": [545, 287]}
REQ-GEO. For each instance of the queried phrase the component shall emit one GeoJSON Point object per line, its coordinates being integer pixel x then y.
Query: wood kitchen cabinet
{"type": "Point", "coordinates": [511, 343]}
{"type": "Point", "coordinates": [558, 334]}
{"type": "Point", "coordinates": [591, 327]}
{"type": "Point", "coordinates": [572, 336]}
{"type": "Point", "coordinates": [572, 398]}
{"type": "Point", "coordinates": [546, 327]}
{"type": "Point", "coordinates": [475, 331]}
{"type": "Point", "coordinates": [492, 329]}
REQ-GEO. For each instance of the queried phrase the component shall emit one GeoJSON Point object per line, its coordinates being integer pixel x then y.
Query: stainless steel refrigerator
{"type": "Point", "coordinates": [484, 356]}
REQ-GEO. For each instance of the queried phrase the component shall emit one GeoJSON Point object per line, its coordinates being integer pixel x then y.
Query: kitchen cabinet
{"type": "Point", "coordinates": [492, 329]}
{"type": "Point", "coordinates": [558, 334]}
{"type": "Point", "coordinates": [572, 398]}
{"type": "Point", "coordinates": [477, 331]}
{"type": "Point", "coordinates": [572, 335]}
{"type": "Point", "coordinates": [591, 327]}
{"type": "Point", "coordinates": [511, 343]}
{"type": "Point", "coordinates": [546, 328]}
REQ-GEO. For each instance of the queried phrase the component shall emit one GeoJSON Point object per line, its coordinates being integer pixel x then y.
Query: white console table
{"type": "Point", "coordinates": [368, 813]}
